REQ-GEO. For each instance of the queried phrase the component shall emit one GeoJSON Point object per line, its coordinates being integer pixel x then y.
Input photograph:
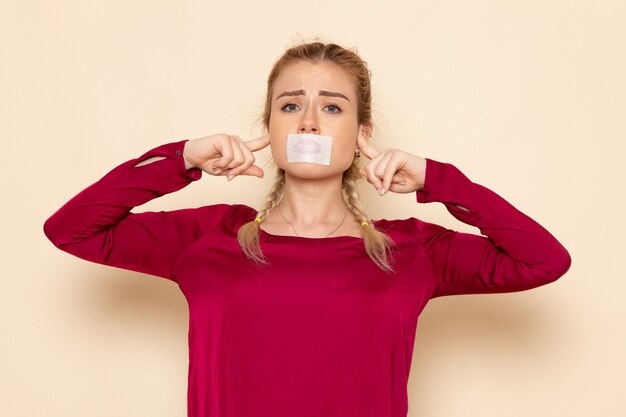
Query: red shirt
{"type": "Point", "coordinates": [322, 331]}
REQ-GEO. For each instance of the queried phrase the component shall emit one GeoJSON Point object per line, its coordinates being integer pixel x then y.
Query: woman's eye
{"type": "Point", "coordinates": [336, 107]}
{"type": "Point", "coordinates": [289, 107]}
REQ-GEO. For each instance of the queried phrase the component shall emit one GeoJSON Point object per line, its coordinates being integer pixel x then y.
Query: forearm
{"type": "Point", "coordinates": [517, 254]}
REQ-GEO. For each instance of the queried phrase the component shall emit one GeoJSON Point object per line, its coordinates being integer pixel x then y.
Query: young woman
{"type": "Point", "coordinates": [305, 307]}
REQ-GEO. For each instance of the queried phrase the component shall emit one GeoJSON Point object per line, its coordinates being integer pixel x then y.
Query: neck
{"type": "Point", "coordinates": [313, 201]}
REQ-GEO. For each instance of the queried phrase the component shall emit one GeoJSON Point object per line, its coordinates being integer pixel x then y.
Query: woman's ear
{"type": "Point", "coordinates": [365, 130]}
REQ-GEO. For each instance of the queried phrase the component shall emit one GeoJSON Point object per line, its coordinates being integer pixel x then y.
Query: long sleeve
{"type": "Point", "coordinates": [515, 254]}
{"type": "Point", "coordinates": [96, 224]}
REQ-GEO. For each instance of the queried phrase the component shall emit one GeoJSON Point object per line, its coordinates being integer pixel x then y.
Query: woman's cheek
{"type": "Point", "coordinates": [278, 151]}
{"type": "Point", "coordinates": [344, 156]}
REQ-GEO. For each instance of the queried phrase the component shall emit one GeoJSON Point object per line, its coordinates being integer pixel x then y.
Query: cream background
{"type": "Point", "coordinates": [526, 97]}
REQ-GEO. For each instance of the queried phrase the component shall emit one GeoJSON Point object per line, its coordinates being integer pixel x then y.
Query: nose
{"type": "Point", "coordinates": [309, 122]}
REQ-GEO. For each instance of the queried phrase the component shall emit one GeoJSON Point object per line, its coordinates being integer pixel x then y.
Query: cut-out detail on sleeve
{"type": "Point", "coordinates": [150, 160]}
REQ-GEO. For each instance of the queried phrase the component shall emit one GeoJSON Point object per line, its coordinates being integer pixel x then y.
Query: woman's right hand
{"type": "Point", "coordinates": [223, 154]}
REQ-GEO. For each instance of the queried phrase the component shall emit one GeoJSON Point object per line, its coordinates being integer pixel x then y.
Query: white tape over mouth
{"type": "Point", "coordinates": [308, 147]}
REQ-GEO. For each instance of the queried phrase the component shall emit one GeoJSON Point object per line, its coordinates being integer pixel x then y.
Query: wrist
{"type": "Point", "coordinates": [187, 164]}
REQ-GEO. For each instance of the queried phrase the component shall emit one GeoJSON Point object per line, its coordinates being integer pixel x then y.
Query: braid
{"type": "Point", "coordinates": [274, 196]}
{"type": "Point", "coordinates": [248, 234]}
{"type": "Point", "coordinates": [351, 195]}
{"type": "Point", "coordinates": [377, 244]}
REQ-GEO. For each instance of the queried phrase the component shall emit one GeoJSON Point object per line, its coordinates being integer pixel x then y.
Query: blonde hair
{"type": "Point", "coordinates": [377, 244]}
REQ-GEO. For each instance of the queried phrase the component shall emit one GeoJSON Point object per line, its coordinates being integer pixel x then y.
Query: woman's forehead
{"type": "Point", "coordinates": [319, 76]}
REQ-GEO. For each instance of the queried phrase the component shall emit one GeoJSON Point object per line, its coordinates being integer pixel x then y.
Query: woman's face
{"type": "Point", "coordinates": [316, 98]}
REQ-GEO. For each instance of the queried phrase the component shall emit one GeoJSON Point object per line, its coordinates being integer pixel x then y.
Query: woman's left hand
{"type": "Point", "coordinates": [392, 169]}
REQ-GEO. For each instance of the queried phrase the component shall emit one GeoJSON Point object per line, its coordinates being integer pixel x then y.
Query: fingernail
{"type": "Point", "coordinates": [230, 177]}
{"type": "Point", "coordinates": [381, 191]}
{"type": "Point", "coordinates": [402, 183]}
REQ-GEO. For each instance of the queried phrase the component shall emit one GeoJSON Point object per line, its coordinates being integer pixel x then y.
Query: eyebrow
{"type": "Point", "coordinates": [321, 93]}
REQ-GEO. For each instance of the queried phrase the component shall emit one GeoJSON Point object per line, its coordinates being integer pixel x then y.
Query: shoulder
{"type": "Point", "coordinates": [226, 216]}
{"type": "Point", "coordinates": [408, 229]}
{"type": "Point", "coordinates": [397, 228]}
{"type": "Point", "coordinates": [225, 209]}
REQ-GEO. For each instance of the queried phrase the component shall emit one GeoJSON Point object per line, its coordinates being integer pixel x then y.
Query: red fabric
{"type": "Point", "coordinates": [322, 331]}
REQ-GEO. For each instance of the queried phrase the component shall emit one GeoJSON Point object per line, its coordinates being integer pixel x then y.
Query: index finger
{"type": "Point", "coordinates": [258, 143]}
{"type": "Point", "coordinates": [367, 149]}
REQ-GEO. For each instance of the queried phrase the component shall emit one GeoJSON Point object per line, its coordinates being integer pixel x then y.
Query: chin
{"type": "Point", "coordinates": [307, 170]}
